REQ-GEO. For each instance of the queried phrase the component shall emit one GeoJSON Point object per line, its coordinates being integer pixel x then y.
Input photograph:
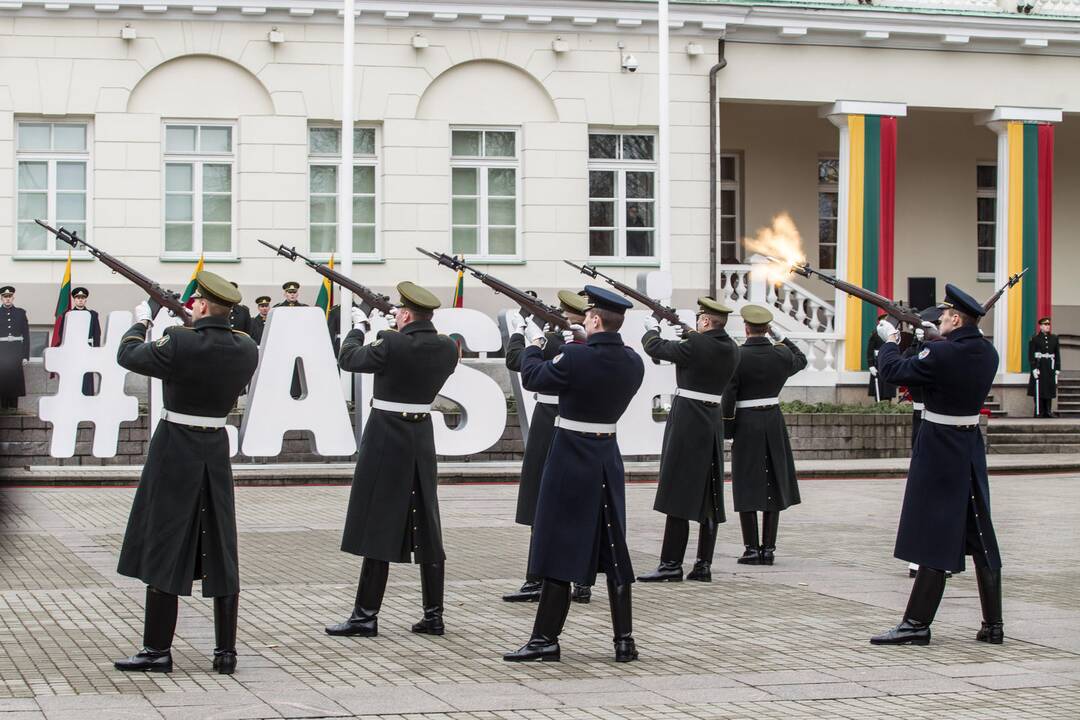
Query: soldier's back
{"type": "Point", "coordinates": [211, 366]}
{"type": "Point", "coordinates": [419, 360]}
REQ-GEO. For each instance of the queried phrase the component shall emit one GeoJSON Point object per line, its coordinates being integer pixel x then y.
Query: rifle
{"type": "Point", "coordinates": [158, 294]}
{"type": "Point", "coordinates": [375, 300]}
{"type": "Point", "coordinates": [890, 307]}
{"type": "Point", "coordinates": [529, 304]}
{"type": "Point", "coordinates": [1001, 290]}
{"type": "Point", "coordinates": [659, 310]}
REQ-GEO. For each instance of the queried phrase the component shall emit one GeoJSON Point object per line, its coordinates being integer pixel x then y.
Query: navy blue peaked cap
{"type": "Point", "coordinates": [607, 300]}
{"type": "Point", "coordinates": [957, 299]}
{"type": "Point", "coordinates": [931, 314]}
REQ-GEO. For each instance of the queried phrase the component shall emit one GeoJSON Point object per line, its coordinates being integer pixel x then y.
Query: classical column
{"type": "Point", "coordinates": [864, 234]}
{"type": "Point", "coordinates": [1023, 238]}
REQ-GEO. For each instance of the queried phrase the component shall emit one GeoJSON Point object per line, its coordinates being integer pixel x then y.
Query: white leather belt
{"type": "Point", "coordinates": [695, 395]}
{"type": "Point", "coordinates": [955, 420]}
{"type": "Point", "coordinates": [546, 399]}
{"type": "Point", "coordinates": [760, 402]}
{"type": "Point", "coordinates": [1047, 356]}
{"type": "Point", "coordinates": [195, 420]}
{"type": "Point", "coordinates": [414, 408]}
{"type": "Point", "coordinates": [918, 406]}
{"type": "Point", "coordinates": [11, 338]}
{"type": "Point", "coordinates": [585, 427]}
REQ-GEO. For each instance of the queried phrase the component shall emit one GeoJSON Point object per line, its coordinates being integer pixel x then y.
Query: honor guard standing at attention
{"type": "Point", "coordinates": [292, 294]}
{"type": "Point", "coordinates": [1044, 358]}
{"type": "Point", "coordinates": [393, 513]}
{"type": "Point", "coordinates": [93, 339]}
{"type": "Point", "coordinates": [762, 466]}
{"type": "Point", "coordinates": [14, 348]}
{"type": "Point", "coordinates": [258, 323]}
{"type": "Point", "coordinates": [878, 388]}
{"type": "Point", "coordinates": [691, 484]}
{"type": "Point", "coordinates": [580, 523]}
{"type": "Point", "coordinates": [240, 316]}
{"type": "Point", "coordinates": [541, 427]}
{"type": "Point", "coordinates": [183, 521]}
{"type": "Point", "coordinates": [946, 512]}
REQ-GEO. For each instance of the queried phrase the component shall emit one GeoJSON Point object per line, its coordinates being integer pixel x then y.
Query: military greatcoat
{"type": "Point", "coordinates": [692, 460]}
{"type": "Point", "coordinates": [183, 523]}
{"type": "Point", "coordinates": [580, 523]}
{"type": "Point", "coordinates": [946, 511]}
{"type": "Point", "coordinates": [14, 348]}
{"type": "Point", "coordinates": [541, 428]}
{"type": "Point", "coordinates": [1044, 354]}
{"type": "Point", "coordinates": [394, 505]}
{"type": "Point", "coordinates": [762, 465]}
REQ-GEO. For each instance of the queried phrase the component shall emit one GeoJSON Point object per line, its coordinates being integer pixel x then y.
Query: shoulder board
{"type": "Point", "coordinates": [241, 332]}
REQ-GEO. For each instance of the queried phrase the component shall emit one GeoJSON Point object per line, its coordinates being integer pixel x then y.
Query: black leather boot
{"type": "Point", "coordinates": [672, 552]}
{"type": "Point", "coordinates": [706, 543]}
{"type": "Point", "coordinates": [529, 592]}
{"type": "Point", "coordinates": [431, 590]}
{"type": "Point", "coordinates": [922, 606]}
{"type": "Point", "coordinates": [225, 613]}
{"type": "Point", "coordinates": [550, 618]}
{"type": "Point", "coordinates": [752, 554]}
{"type": "Point", "coordinates": [364, 621]}
{"type": "Point", "coordinates": [770, 524]}
{"type": "Point", "coordinates": [622, 622]}
{"type": "Point", "coordinates": [581, 593]}
{"type": "Point", "coordinates": [159, 625]}
{"type": "Point", "coordinates": [993, 627]}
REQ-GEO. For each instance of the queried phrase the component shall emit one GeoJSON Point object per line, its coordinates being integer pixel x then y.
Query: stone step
{"type": "Point", "coordinates": [1032, 448]}
{"type": "Point", "coordinates": [1047, 438]}
{"type": "Point", "coordinates": [1037, 428]}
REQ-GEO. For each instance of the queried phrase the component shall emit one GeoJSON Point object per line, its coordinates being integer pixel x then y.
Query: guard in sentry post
{"type": "Point", "coordinates": [1044, 358]}
{"type": "Point", "coordinates": [182, 525]}
{"type": "Point", "coordinates": [762, 464]}
{"type": "Point", "coordinates": [946, 511]}
{"type": "Point", "coordinates": [580, 524]}
{"type": "Point", "coordinates": [541, 426]}
{"type": "Point", "coordinates": [691, 484]}
{"type": "Point", "coordinates": [393, 513]}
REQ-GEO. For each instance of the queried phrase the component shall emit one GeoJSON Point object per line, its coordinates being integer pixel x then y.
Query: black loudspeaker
{"type": "Point", "coordinates": [922, 292]}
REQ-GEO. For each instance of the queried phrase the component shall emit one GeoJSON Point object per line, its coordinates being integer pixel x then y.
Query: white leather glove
{"type": "Point", "coordinates": [651, 324]}
{"type": "Point", "coordinates": [1035, 373]}
{"type": "Point", "coordinates": [679, 331]}
{"type": "Point", "coordinates": [391, 318]}
{"type": "Point", "coordinates": [574, 334]}
{"type": "Point", "coordinates": [777, 334]}
{"type": "Point", "coordinates": [515, 323]}
{"type": "Point", "coordinates": [142, 312]}
{"type": "Point", "coordinates": [359, 318]}
{"type": "Point", "coordinates": [920, 334]}
{"type": "Point", "coordinates": [533, 332]}
{"type": "Point", "coordinates": [873, 371]}
{"type": "Point", "coordinates": [887, 331]}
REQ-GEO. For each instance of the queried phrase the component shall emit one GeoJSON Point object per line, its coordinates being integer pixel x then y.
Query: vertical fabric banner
{"type": "Point", "coordinates": [870, 219]}
{"type": "Point", "coordinates": [1030, 213]}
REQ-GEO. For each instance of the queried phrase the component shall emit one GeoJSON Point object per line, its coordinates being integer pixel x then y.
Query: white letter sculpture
{"type": "Point", "coordinates": [110, 407]}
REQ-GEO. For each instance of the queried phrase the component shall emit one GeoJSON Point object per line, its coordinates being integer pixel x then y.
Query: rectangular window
{"type": "Point", "coordinates": [730, 205]}
{"type": "Point", "coordinates": [199, 173]}
{"type": "Point", "coordinates": [484, 192]}
{"type": "Point", "coordinates": [52, 184]}
{"type": "Point", "coordinates": [828, 209]}
{"type": "Point", "coordinates": [622, 196]}
{"type": "Point", "coordinates": [986, 217]}
{"type": "Point", "coordinates": [324, 186]}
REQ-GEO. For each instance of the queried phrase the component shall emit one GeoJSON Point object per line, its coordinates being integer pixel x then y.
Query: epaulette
{"type": "Point", "coordinates": [240, 332]}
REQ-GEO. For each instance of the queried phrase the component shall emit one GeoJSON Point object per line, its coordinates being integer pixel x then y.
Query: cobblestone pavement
{"type": "Point", "coordinates": [788, 641]}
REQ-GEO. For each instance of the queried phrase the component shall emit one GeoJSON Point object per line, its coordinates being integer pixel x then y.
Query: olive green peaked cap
{"type": "Point", "coordinates": [412, 295]}
{"type": "Point", "coordinates": [573, 302]}
{"type": "Point", "coordinates": [756, 314]}
{"type": "Point", "coordinates": [216, 288]}
{"type": "Point", "coordinates": [715, 307]}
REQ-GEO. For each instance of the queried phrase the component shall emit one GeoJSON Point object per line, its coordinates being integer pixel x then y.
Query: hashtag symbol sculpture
{"type": "Point", "coordinates": [71, 360]}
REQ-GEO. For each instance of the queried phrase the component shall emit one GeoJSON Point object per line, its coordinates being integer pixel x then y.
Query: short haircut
{"type": "Point", "coordinates": [755, 329]}
{"type": "Point", "coordinates": [215, 309]}
{"type": "Point", "coordinates": [420, 313]}
{"type": "Point", "coordinates": [966, 320]}
{"type": "Point", "coordinates": [610, 321]}
{"type": "Point", "coordinates": [719, 320]}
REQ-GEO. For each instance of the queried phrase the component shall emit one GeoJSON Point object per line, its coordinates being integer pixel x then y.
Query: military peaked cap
{"type": "Point", "coordinates": [756, 314]}
{"type": "Point", "coordinates": [80, 292]}
{"type": "Point", "coordinates": [957, 299]}
{"type": "Point", "coordinates": [713, 307]}
{"type": "Point", "coordinates": [416, 297]}
{"type": "Point", "coordinates": [291, 286]}
{"type": "Point", "coordinates": [215, 288]}
{"type": "Point", "coordinates": [7, 290]}
{"type": "Point", "coordinates": [262, 300]}
{"type": "Point", "coordinates": [931, 314]}
{"type": "Point", "coordinates": [1044, 320]}
{"type": "Point", "coordinates": [602, 299]}
{"type": "Point", "coordinates": [573, 302]}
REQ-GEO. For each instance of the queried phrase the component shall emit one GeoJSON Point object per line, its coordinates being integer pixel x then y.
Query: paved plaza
{"type": "Point", "coordinates": [788, 641]}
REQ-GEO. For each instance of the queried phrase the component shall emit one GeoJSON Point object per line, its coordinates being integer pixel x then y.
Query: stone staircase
{"type": "Point", "coordinates": [1068, 399]}
{"type": "Point", "coordinates": [1029, 436]}
{"type": "Point", "coordinates": [994, 406]}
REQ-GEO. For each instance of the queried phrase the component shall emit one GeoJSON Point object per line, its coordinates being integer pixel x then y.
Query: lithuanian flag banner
{"type": "Point", "coordinates": [190, 289]}
{"type": "Point", "coordinates": [326, 293]}
{"type": "Point", "coordinates": [63, 303]}
{"type": "Point", "coordinates": [1030, 212]}
{"type": "Point", "coordinates": [459, 288]}
{"type": "Point", "coordinates": [870, 216]}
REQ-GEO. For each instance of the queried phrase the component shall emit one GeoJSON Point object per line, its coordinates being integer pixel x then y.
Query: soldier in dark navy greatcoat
{"type": "Point", "coordinates": [393, 513]}
{"type": "Point", "coordinates": [183, 520]}
{"type": "Point", "coordinates": [14, 349]}
{"type": "Point", "coordinates": [1044, 359]}
{"type": "Point", "coordinates": [580, 524]}
{"type": "Point", "coordinates": [691, 486]}
{"type": "Point", "coordinates": [541, 427]}
{"type": "Point", "coordinates": [946, 511]}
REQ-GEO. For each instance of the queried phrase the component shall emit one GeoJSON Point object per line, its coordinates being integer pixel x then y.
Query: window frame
{"type": "Point", "coordinates": [735, 185]}
{"type": "Point", "coordinates": [985, 192]}
{"type": "Point", "coordinates": [485, 163]}
{"type": "Point", "coordinates": [328, 160]}
{"type": "Point", "coordinates": [620, 166]}
{"type": "Point", "coordinates": [197, 159]}
{"type": "Point", "coordinates": [834, 188]}
{"type": "Point", "coordinates": [51, 158]}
